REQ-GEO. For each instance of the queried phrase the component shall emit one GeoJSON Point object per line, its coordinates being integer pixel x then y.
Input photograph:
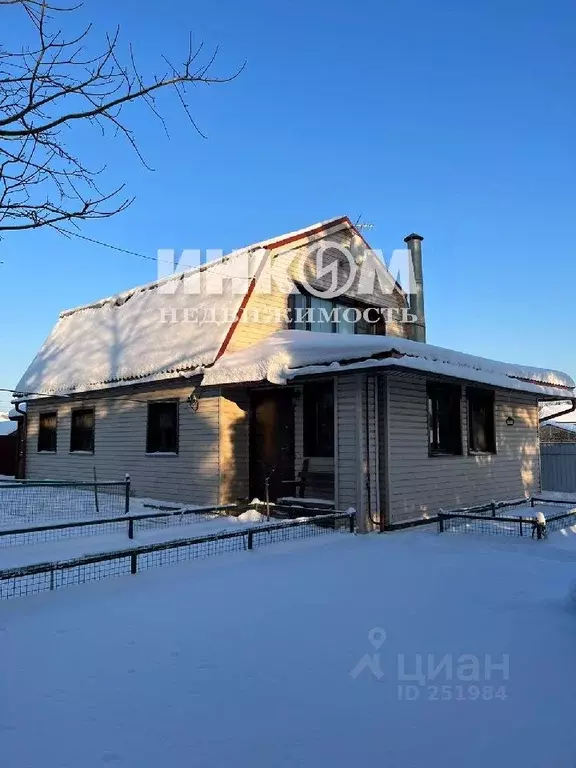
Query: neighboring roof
{"type": "Point", "coordinates": [14, 414]}
{"type": "Point", "coordinates": [119, 340]}
{"type": "Point", "coordinates": [7, 428]}
{"type": "Point", "coordinates": [560, 425]}
{"type": "Point", "coordinates": [288, 354]}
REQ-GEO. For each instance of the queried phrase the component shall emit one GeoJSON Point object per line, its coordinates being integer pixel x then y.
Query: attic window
{"type": "Point", "coordinates": [444, 425]}
{"type": "Point", "coordinates": [82, 431]}
{"type": "Point", "coordinates": [47, 431]}
{"type": "Point", "coordinates": [481, 433]}
{"type": "Point", "coordinates": [162, 429]}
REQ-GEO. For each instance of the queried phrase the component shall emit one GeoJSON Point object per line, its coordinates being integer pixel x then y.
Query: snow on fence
{"type": "Point", "coordinates": [32, 579]}
{"type": "Point", "coordinates": [558, 467]}
{"type": "Point", "coordinates": [32, 501]}
{"type": "Point", "coordinates": [472, 519]}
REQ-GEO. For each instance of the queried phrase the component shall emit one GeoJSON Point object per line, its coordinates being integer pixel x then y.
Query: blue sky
{"type": "Point", "coordinates": [455, 120]}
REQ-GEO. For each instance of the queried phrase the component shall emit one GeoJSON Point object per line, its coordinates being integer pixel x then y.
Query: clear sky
{"type": "Point", "coordinates": [453, 119]}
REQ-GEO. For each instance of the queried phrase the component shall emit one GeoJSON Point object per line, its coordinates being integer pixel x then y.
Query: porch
{"type": "Point", "coordinates": [306, 442]}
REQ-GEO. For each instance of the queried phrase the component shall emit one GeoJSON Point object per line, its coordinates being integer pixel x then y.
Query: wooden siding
{"type": "Point", "coordinates": [120, 445]}
{"type": "Point", "coordinates": [234, 445]}
{"type": "Point", "coordinates": [348, 436]}
{"type": "Point", "coordinates": [420, 485]}
{"type": "Point", "coordinates": [267, 308]}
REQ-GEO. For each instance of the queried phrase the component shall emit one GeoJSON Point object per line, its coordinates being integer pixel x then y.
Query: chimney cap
{"type": "Point", "coordinates": [413, 236]}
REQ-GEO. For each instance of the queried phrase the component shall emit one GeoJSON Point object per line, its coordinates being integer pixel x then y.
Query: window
{"type": "Point", "coordinates": [319, 419]}
{"type": "Point", "coordinates": [481, 435]}
{"type": "Point", "coordinates": [372, 323]}
{"type": "Point", "coordinates": [162, 432]}
{"type": "Point", "coordinates": [311, 313]}
{"type": "Point", "coordinates": [82, 431]}
{"type": "Point", "coordinates": [321, 317]}
{"type": "Point", "coordinates": [297, 307]}
{"type": "Point", "coordinates": [47, 432]}
{"type": "Point", "coordinates": [444, 427]}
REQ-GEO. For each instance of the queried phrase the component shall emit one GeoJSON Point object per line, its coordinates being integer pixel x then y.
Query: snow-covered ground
{"type": "Point", "coordinates": [21, 506]}
{"type": "Point", "coordinates": [17, 555]}
{"type": "Point", "coordinates": [303, 654]}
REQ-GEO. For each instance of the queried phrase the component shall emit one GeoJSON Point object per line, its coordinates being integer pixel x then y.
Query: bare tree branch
{"type": "Point", "coordinates": [55, 84]}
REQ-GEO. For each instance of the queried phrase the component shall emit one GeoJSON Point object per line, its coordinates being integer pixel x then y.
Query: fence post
{"type": "Point", "coordinates": [131, 528]}
{"type": "Point", "coordinates": [133, 564]}
{"type": "Point", "coordinates": [52, 579]}
{"type": "Point", "coordinates": [250, 539]}
{"type": "Point", "coordinates": [521, 529]}
{"type": "Point", "coordinates": [127, 497]}
{"type": "Point", "coordinates": [96, 503]}
{"type": "Point", "coordinates": [532, 502]}
{"type": "Point", "coordinates": [440, 522]}
{"type": "Point", "coordinates": [352, 522]}
{"type": "Point", "coordinates": [493, 507]}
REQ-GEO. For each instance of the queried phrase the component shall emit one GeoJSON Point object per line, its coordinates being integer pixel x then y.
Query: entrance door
{"type": "Point", "coordinates": [271, 442]}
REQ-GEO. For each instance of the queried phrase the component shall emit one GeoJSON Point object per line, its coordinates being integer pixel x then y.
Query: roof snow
{"type": "Point", "coordinates": [288, 354]}
{"type": "Point", "coordinates": [567, 427]}
{"type": "Point", "coordinates": [133, 337]}
{"type": "Point", "coordinates": [554, 409]}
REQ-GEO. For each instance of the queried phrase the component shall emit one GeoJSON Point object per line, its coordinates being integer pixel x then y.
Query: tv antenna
{"type": "Point", "coordinates": [360, 225]}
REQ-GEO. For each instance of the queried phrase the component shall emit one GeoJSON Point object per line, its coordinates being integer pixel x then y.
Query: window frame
{"type": "Point", "coordinates": [152, 403]}
{"type": "Point", "coordinates": [481, 393]}
{"type": "Point", "coordinates": [73, 412]}
{"type": "Point", "coordinates": [45, 414]}
{"type": "Point", "coordinates": [310, 421]}
{"type": "Point", "coordinates": [455, 391]}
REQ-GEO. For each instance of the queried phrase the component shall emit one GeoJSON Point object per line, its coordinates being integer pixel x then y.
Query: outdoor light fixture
{"type": "Point", "coordinates": [193, 400]}
{"type": "Point", "coordinates": [509, 421]}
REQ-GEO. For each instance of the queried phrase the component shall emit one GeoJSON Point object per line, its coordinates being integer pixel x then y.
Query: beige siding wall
{"type": "Point", "coordinates": [266, 311]}
{"type": "Point", "coordinates": [234, 445]}
{"type": "Point", "coordinates": [419, 485]}
{"type": "Point", "coordinates": [120, 445]}
{"type": "Point", "coordinates": [348, 435]}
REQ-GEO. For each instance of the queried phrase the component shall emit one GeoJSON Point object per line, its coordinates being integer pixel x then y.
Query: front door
{"type": "Point", "coordinates": [271, 442]}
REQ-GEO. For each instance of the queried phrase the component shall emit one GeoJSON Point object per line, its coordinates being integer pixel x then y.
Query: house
{"type": "Point", "coordinates": [8, 446]}
{"type": "Point", "coordinates": [557, 432]}
{"type": "Point", "coordinates": [209, 385]}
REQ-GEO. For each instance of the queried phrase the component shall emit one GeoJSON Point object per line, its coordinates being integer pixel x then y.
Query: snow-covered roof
{"type": "Point", "coordinates": [560, 425]}
{"type": "Point", "coordinates": [7, 428]}
{"type": "Point", "coordinates": [289, 354]}
{"type": "Point", "coordinates": [121, 340]}
{"type": "Point", "coordinates": [553, 409]}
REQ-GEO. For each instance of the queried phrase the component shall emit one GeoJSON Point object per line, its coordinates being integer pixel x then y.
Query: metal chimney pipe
{"type": "Point", "coordinates": [416, 301]}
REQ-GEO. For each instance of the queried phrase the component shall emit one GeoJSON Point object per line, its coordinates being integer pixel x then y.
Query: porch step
{"type": "Point", "coordinates": [306, 503]}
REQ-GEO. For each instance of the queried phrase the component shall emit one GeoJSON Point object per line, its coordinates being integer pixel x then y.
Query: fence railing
{"type": "Point", "coordinates": [130, 525]}
{"type": "Point", "coordinates": [472, 519]}
{"type": "Point", "coordinates": [42, 577]}
{"type": "Point", "coordinates": [35, 500]}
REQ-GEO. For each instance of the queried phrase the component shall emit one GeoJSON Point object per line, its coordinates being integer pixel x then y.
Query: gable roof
{"type": "Point", "coordinates": [120, 339]}
{"type": "Point", "coordinates": [287, 355]}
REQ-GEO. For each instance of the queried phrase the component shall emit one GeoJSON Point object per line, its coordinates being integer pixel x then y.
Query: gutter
{"type": "Point", "coordinates": [560, 413]}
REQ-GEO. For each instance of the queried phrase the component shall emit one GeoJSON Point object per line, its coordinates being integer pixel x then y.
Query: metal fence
{"type": "Point", "coordinates": [44, 501]}
{"type": "Point", "coordinates": [558, 467]}
{"type": "Point", "coordinates": [498, 523]}
{"type": "Point", "coordinates": [16, 582]}
{"type": "Point", "coordinates": [130, 525]}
